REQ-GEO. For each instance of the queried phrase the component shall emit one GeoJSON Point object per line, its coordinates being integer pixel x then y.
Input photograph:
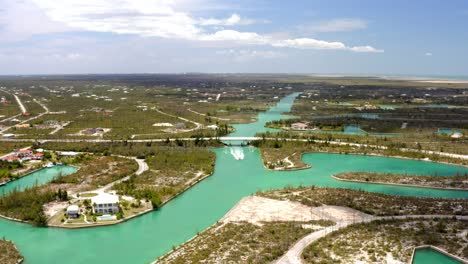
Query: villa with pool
{"type": "Point", "coordinates": [105, 203]}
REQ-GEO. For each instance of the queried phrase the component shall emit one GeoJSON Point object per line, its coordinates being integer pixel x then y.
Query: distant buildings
{"type": "Point", "coordinates": [23, 155]}
{"type": "Point", "coordinates": [299, 126]}
{"type": "Point", "coordinates": [212, 127]}
{"type": "Point", "coordinates": [19, 126]}
{"type": "Point", "coordinates": [92, 131]}
{"type": "Point", "coordinates": [67, 153]}
{"type": "Point", "coordinates": [105, 203]}
{"type": "Point", "coordinates": [179, 126]}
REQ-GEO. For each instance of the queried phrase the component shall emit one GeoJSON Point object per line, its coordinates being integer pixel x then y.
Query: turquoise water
{"type": "Point", "coordinates": [344, 104]}
{"type": "Point", "coordinates": [386, 107]}
{"type": "Point", "coordinates": [275, 113]}
{"type": "Point", "coordinates": [143, 239]}
{"type": "Point", "coordinates": [353, 130]}
{"type": "Point", "coordinates": [447, 131]}
{"type": "Point", "coordinates": [431, 256]}
{"type": "Point", "coordinates": [39, 177]}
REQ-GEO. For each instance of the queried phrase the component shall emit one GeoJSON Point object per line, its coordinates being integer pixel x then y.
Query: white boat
{"type": "Point", "coordinates": [48, 165]}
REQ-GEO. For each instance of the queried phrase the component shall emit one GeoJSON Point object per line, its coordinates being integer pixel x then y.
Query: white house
{"type": "Point", "coordinates": [73, 211]}
{"type": "Point", "coordinates": [105, 203]}
{"type": "Point", "coordinates": [299, 126]}
{"type": "Point", "coordinates": [67, 153]}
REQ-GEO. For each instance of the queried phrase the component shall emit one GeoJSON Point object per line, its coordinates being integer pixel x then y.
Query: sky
{"type": "Point", "coordinates": [385, 37]}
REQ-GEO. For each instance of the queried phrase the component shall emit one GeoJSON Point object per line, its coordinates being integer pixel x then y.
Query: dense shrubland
{"type": "Point", "coordinates": [172, 169]}
{"type": "Point", "coordinates": [9, 253]}
{"type": "Point", "coordinates": [375, 242]}
{"type": "Point", "coordinates": [371, 203]}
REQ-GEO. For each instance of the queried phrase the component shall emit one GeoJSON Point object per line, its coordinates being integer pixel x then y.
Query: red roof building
{"type": "Point", "coordinates": [11, 158]}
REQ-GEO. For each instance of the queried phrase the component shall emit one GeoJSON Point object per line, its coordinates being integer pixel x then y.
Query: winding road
{"type": "Point", "coordinates": [294, 254]}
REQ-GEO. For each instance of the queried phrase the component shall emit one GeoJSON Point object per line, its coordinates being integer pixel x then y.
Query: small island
{"type": "Point", "coordinates": [9, 254]}
{"type": "Point", "coordinates": [442, 182]}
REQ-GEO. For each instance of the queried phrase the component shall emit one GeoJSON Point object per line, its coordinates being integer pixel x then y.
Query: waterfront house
{"type": "Point", "coordinates": [37, 156]}
{"type": "Point", "coordinates": [11, 158]}
{"type": "Point", "coordinates": [299, 126]}
{"type": "Point", "coordinates": [73, 211]}
{"type": "Point", "coordinates": [105, 203]}
{"type": "Point", "coordinates": [22, 153]}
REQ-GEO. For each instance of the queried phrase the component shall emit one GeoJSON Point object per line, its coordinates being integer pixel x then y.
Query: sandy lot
{"type": "Point", "coordinates": [339, 213]}
{"type": "Point", "coordinates": [52, 208]}
{"type": "Point", "coordinates": [254, 209]}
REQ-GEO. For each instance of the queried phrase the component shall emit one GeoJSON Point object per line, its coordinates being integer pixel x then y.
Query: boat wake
{"type": "Point", "coordinates": [237, 153]}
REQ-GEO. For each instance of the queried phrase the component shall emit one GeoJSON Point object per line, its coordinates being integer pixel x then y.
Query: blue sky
{"type": "Point", "coordinates": [307, 36]}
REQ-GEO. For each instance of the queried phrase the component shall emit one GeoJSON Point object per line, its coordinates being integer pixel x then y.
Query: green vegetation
{"type": "Point", "coordinates": [27, 205]}
{"type": "Point", "coordinates": [6, 169]}
{"type": "Point", "coordinates": [9, 254]}
{"type": "Point", "coordinates": [95, 171]}
{"type": "Point", "coordinates": [129, 149]}
{"type": "Point", "coordinates": [7, 147]}
{"type": "Point", "coordinates": [378, 241]}
{"type": "Point", "coordinates": [460, 182]}
{"type": "Point", "coordinates": [172, 169]}
{"type": "Point", "coordinates": [371, 203]}
{"type": "Point", "coordinates": [274, 150]}
{"type": "Point", "coordinates": [241, 243]}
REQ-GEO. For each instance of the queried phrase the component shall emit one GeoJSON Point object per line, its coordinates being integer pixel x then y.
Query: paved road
{"type": "Point", "coordinates": [227, 139]}
{"type": "Point", "coordinates": [142, 167]}
{"type": "Point", "coordinates": [213, 117]}
{"type": "Point", "coordinates": [294, 254]}
{"type": "Point", "coordinates": [21, 106]}
{"type": "Point", "coordinates": [197, 125]}
{"type": "Point", "coordinates": [46, 111]}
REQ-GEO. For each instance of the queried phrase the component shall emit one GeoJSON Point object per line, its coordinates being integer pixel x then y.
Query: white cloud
{"type": "Point", "coordinates": [428, 54]}
{"type": "Point", "coordinates": [308, 43]}
{"type": "Point", "coordinates": [366, 49]}
{"type": "Point", "coordinates": [233, 20]}
{"type": "Point", "coordinates": [337, 25]}
{"type": "Point", "coordinates": [248, 54]}
{"type": "Point", "coordinates": [162, 19]}
{"type": "Point", "coordinates": [250, 38]}
{"type": "Point", "coordinates": [19, 20]}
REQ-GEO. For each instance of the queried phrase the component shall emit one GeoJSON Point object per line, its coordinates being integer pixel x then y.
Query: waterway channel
{"type": "Point", "coordinates": [145, 238]}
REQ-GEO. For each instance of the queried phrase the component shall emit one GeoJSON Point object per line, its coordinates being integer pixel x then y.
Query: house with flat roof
{"type": "Point", "coordinates": [105, 203]}
{"type": "Point", "coordinates": [299, 126]}
{"type": "Point", "coordinates": [73, 211]}
{"type": "Point", "coordinates": [67, 153]}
